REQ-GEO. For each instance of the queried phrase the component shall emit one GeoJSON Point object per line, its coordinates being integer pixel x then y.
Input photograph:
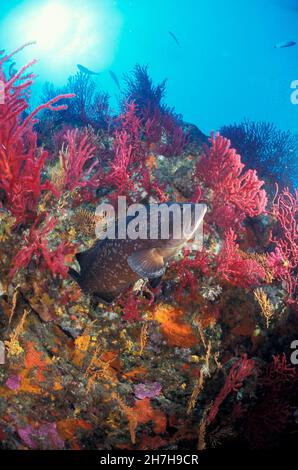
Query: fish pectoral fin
{"type": "Point", "coordinates": [147, 263]}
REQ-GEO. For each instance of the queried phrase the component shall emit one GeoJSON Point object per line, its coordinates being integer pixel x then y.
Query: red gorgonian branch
{"type": "Point", "coordinates": [79, 171]}
{"type": "Point", "coordinates": [236, 192]}
{"type": "Point", "coordinates": [240, 370]}
{"type": "Point", "coordinates": [36, 247]}
{"type": "Point", "coordinates": [21, 161]}
{"type": "Point", "coordinates": [234, 267]}
{"type": "Point", "coordinates": [284, 259]}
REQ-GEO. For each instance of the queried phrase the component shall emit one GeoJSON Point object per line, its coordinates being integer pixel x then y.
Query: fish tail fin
{"type": "Point", "coordinates": [75, 275]}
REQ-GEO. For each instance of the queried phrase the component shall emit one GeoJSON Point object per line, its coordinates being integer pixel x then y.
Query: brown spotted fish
{"type": "Point", "coordinates": [114, 263]}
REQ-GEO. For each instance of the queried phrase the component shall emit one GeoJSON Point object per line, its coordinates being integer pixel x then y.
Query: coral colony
{"type": "Point", "coordinates": [201, 360]}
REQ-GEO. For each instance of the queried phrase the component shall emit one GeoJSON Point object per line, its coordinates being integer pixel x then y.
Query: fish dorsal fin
{"type": "Point", "coordinates": [147, 263]}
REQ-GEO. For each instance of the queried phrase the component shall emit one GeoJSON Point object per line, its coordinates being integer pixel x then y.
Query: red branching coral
{"type": "Point", "coordinates": [128, 154]}
{"type": "Point", "coordinates": [119, 175]}
{"type": "Point", "coordinates": [284, 260]}
{"type": "Point", "coordinates": [272, 412]}
{"type": "Point", "coordinates": [21, 161]}
{"type": "Point", "coordinates": [128, 173]}
{"type": "Point", "coordinates": [131, 306]}
{"type": "Point", "coordinates": [279, 373]}
{"type": "Point", "coordinates": [75, 161]}
{"type": "Point", "coordinates": [131, 309]}
{"type": "Point", "coordinates": [36, 246]}
{"type": "Point", "coordinates": [230, 265]}
{"type": "Point", "coordinates": [131, 124]}
{"type": "Point", "coordinates": [152, 187]}
{"type": "Point", "coordinates": [135, 303]}
{"type": "Point", "coordinates": [239, 371]}
{"type": "Point", "coordinates": [234, 267]}
{"type": "Point", "coordinates": [187, 271]}
{"type": "Point", "coordinates": [160, 126]}
{"type": "Point", "coordinates": [238, 193]}
{"type": "Point", "coordinates": [164, 135]}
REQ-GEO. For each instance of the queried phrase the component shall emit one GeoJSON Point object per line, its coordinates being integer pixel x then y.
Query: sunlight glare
{"type": "Point", "coordinates": [66, 32]}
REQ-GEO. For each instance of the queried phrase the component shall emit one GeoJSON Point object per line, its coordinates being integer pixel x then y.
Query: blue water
{"type": "Point", "coordinates": [225, 69]}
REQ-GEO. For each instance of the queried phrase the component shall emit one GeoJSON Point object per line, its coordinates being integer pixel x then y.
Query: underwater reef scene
{"type": "Point", "coordinates": [200, 361]}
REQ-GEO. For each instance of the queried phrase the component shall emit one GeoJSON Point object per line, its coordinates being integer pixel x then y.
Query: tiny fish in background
{"type": "Point", "coordinates": [173, 36]}
{"type": "Point", "coordinates": [85, 70]}
{"type": "Point", "coordinates": [115, 79]}
{"type": "Point", "coordinates": [283, 44]}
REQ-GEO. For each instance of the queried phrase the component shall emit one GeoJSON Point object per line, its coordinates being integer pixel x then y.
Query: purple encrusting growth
{"type": "Point", "coordinates": [147, 390]}
{"type": "Point", "coordinates": [25, 435]}
{"type": "Point", "coordinates": [46, 432]}
{"type": "Point", "coordinates": [13, 382]}
{"type": "Point", "coordinates": [49, 430]}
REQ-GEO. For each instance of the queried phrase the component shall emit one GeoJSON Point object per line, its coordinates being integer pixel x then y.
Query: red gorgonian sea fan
{"type": "Point", "coordinates": [240, 370]}
{"type": "Point", "coordinates": [284, 259]}
{"type": "Point", "coordinates": [76, 161]}
{"type": "Point", "coordinates": [236, 192]}
{"type": "Point", "coordinates": [234, 267]}
{"type": "Point", "coordinates": [273, 411]}
{"type": "Point", "coordinates": [128, 174]}
{"type": "Point", "coordinates": [187, 272]}
{"type": "Point", "coordinates": [36, 247]}
{"type": "Point", "coordinates": [21, 161]}
{"type": "Point", "coordinates": [120, 176]}
{"type": "Point", "coordinates": [128, 155]}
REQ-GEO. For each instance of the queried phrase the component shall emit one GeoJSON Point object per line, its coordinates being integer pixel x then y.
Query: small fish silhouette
{"type": "Point", "coordinates": [115, 78]}
{"type": "Point", "coordinates": [85, 70]}
{"type": "Point", "coordinates": [281, 45]}
{"type": "Point", "coordinates": [173, 36]}
{"type": "Point", "coordinates": [114, 264]}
